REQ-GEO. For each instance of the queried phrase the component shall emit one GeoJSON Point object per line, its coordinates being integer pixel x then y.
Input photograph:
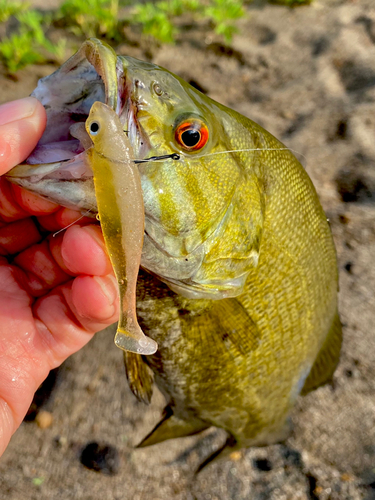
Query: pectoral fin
{"type": "Point", "coordinates": [327, 360]}
{"type": "Point", "coordinates": [236, 327]}
{"type": "Point", "coordinates": [171, 427]}
{"type": "Point", "coordinates": [139, 376]}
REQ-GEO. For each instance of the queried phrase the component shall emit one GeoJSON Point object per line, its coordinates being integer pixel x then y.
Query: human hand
{"type": "Point", "coordinates": [55, 291]}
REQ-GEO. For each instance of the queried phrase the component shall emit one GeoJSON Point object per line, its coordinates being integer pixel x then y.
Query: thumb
{"type": "Point", "coordinates": [22, 124]}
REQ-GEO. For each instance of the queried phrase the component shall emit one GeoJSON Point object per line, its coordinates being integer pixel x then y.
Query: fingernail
{"type": "Point", "coordinates": [109, 287]}
{"type": "Point", "coordinates": [17, 110]}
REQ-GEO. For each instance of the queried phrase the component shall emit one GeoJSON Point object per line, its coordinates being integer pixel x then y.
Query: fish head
{"type": "Point", "coordinates": [203, 211]}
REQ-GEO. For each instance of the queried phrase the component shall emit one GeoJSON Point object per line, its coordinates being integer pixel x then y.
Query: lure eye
{"type": "Point", "coordinates": [94, 128]}
{"type": "Point", "coordinates": [192, 135]}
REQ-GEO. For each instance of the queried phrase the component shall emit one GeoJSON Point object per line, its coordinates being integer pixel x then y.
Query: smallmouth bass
{"type": "Point", "coordinates": [238, 279]}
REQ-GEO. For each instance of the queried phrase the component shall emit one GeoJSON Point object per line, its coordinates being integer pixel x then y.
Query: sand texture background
{"type": "Point", "coordinates": [308, 76]}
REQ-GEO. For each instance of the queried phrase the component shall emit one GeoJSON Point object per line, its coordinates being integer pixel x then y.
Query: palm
{"type": "Point", "coordinates": [55, 291]}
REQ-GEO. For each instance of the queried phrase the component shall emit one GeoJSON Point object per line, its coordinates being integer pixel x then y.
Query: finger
{"type": "Point", "coordinates": [17, 236]}
{"type": "Point", "coordinates": [69, 314]}
{"type": "Point", "coordinates": [93, 301]}
{"type": "Point", "coordinates": [32, 203]}
{"type": "Point", "coordinates": [9, 208]}
{"type": "Point", "coordinates": [17, 203]}
{"type": "Point", "coordinates": [63, 218]}
{"type": "Point", "coordinates": [78, 250]}
{"type": "Point", "coordinates": [83, 251]}
{"type": "Point", "coordinates": [22, 124]}
{"type": "Point", "coordinates": [40, 268]}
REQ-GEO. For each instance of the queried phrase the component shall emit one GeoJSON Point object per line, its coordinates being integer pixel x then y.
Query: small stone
{"type": "Point", "coordinates": [344, 219]}
{"type": "Point", "coordinates": [235, 456]}
{"type": "Point", "coordinates": [44, 419]}
{"type": "Point", "coordinates": [346, 477]}
{"type": "Point", "coordinates": [100, 458]}
{"type": "Point", "coordinates": [60, 441]}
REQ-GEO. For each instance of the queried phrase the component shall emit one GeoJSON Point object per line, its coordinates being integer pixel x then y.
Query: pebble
{"type": "Point", "coordinates": [44, 419]}
{"type": "Point", "coordinates": [236, 456]}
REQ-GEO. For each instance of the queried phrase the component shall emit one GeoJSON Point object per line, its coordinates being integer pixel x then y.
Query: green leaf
{"type": "Point", "coordinates": [37, 481]}
{"type": "Point", "coordinates": [91, 17]}
{"type": "Point", "coordinates": [10, 8]}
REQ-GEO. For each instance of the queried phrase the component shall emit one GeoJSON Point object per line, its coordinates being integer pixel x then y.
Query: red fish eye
{"type": "Point", "coordinates": [192, 135]}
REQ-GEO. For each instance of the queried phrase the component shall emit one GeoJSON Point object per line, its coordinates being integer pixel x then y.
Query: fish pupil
{"type": "Point", "coordinates": [94, 127]}
{"type": "Point", "coordinates": [190, 137]}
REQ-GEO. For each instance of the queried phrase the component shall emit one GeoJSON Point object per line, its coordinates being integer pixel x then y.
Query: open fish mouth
{"type": "Point", "coordinates": [185, 227]}
{"type": "Point", "coordinates": [56, 168]}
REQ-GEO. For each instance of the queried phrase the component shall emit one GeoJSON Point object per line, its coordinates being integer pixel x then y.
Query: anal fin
{"type": "Point", "coordinates": [139, 375]}
{"type": "Point", "coordinates": [171, 427]}
{"type": "Point", "coordinates": [226, 449]}
{"type": "Point", "coordinates": [327, 360]}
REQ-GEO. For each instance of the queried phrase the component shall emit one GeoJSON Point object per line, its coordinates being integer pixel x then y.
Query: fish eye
{"type": "Point", "coordinates": [192, 135]}
{"type": "Point", "coordinates": [94, 128]}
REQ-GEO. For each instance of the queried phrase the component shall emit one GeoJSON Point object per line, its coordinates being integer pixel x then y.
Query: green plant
{"type": "Point", "coordinates": [16, 52]}
{"type": "Point", "coordinates": [158, 19]}
{"type": "Point", "coordinates": [10, 8]}
{"type": "Point", "coordinates": [29, 44]}
{"type": "Point", "coordinates": [223, 13]}
{"type": "Point", "coordinates": [34, 22]}
{"type": "Point", "coordinates": [155, 21]}
{"type": "Point", "coordinates": [91, 17]}
{"type": "Point", "coordinates": [38, 481]}
{"type": "Point", "coordinates": [291, 3]}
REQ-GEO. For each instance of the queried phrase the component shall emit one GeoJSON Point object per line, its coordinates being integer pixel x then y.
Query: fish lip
{"type": "Point", "coordinates": [94, 73]}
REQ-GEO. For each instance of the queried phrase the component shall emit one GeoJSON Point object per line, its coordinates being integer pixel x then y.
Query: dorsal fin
{"type": "Point", "coordinates": [139, 375]}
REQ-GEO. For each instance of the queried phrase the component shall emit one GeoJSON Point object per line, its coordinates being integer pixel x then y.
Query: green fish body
{"type": "Point", "coordinates": [239, 363]}
{"type": "Point", "coordinates": [239, 279]}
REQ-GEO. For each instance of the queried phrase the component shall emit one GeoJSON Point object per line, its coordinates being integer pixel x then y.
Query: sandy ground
{"type": "Point", "coordinates": [308, 76]}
